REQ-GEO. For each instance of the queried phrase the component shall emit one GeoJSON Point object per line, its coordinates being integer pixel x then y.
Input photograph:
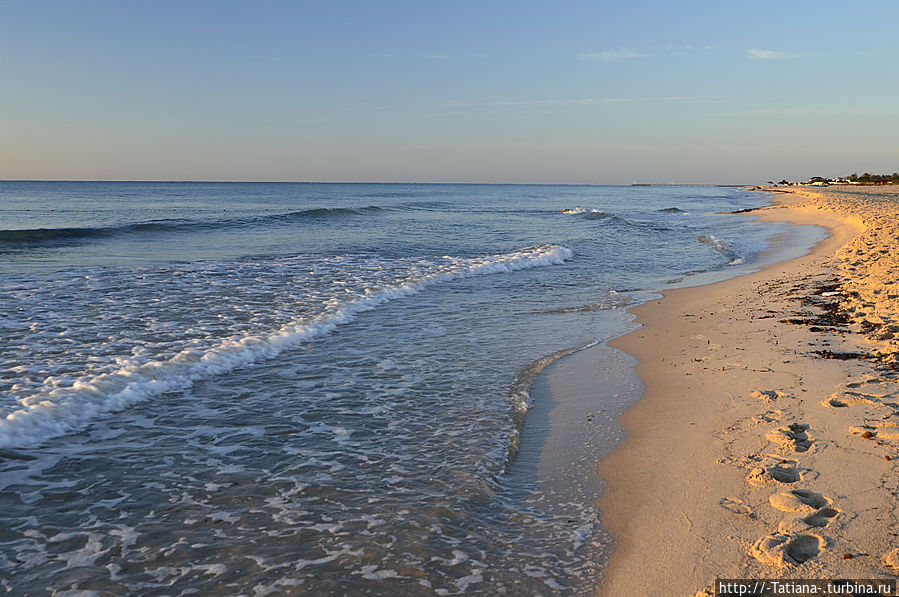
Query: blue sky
{"type": "Point", "coordinates": [555, 92]}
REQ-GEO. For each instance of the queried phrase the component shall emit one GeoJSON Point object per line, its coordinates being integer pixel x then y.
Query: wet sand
{"type": "Point", "coordinates": [767, 442]}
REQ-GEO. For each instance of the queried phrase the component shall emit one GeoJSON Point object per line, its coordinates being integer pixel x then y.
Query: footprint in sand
{"type": "Point", "coordinates": [821, 517]}
{"type": "Point", "coordinates": [770, 416]}
{"type": "Point", "coordinates": [798, 500]}
{"type": "Point", "coordinates": [844, 399]}
{"type": "Point", "coordinates": [782, 551]}
{"type": "Point", "coordinates": [886, 431]}
{"type": "Point", "coordinates": [792, 437]}
{"type": "Point", "coordinates": [768, 395]}
{"type": "Point", "coordinates": [761, 476]}
{"type": "Point", "coordinates": [881, 391]}
{"type": "Point", "coordinates": [737, 506]}
{"type": "Point", "coordinates": [817, 509]}
{"type": "Point", "coordinates": [890, 560]}
{"type": "Point", "coordinates": [881, 387]}
{"type": "Point", "coordinates": [818, 519]}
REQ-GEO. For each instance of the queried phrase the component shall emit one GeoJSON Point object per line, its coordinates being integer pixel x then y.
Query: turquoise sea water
{"type": "Point", "coordinates": [216, 388]}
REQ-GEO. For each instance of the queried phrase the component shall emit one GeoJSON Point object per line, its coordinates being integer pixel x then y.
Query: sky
{"type": "Point", "coordinates": [579, 92]}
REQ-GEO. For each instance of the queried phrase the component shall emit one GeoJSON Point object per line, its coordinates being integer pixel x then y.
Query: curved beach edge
{"type": "Point", "coordinates": [765, 441]}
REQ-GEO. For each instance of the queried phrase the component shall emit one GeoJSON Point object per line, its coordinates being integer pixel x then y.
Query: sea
{"type": "Point", "coordinates": [324, 389]}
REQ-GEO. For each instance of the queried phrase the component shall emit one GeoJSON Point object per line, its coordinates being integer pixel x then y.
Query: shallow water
{"type": "Point", "coordinates": [315, 388]}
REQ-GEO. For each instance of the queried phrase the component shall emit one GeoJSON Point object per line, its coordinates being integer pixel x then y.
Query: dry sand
{"type": "Point", "coordinates": [755, 452]}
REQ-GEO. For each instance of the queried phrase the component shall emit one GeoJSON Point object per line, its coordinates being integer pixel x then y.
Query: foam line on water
{"type": "Point", "coordinates": [722, 247]}
{"type": "Point", "coordinates": [63, 410]}
{"type": "Point", "coordinates": [520, 393]}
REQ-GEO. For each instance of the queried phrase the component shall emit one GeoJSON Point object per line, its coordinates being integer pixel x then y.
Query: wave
{"type": "Point", "coordinates": [49, 236]}
{"type": "Point", "coordinates": [36, 236]}
{"type": "Point", "coordinates": [722, 247]}
{"type": "Point", "coordinates": [326, 212]}
{"type": "Point", "coordinates": [588, 214]}
{"type": "Point", "coordinates": [520, 393]}
{"type": "Point", "coordinates": [62, 410]}
{"type": "Point", "coordinates": [599, 215]}
{"type": "Point", "coordinates": [612, 300]}
{"type": "Point", "coordinates": [425, 206]}
{"type": "Point", "coordinates": [670, 210]}
{"type": "Point", "coordinates": [580, 211]}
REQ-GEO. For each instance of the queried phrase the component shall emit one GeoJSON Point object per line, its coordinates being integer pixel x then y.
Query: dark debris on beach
{"type": "Point", "coordinates": [833, 317]}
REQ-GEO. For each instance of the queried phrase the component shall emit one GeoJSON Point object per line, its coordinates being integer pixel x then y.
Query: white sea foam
{"type": "Point", "coordinates": [574, 211]}
{"type": "Point", "coordinates": [723, 247]}
{"type": "Point", "coordinates": [520, 393]}
{"type": "Point", "coordinates": [64, 405]}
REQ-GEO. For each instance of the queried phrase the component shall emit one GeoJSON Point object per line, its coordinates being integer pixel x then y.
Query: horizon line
{"type": "Point", "coordinates": [200, 181]}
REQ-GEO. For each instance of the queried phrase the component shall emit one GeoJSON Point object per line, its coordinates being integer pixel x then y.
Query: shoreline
{"type": "Point", "coordinates": [732, 466]}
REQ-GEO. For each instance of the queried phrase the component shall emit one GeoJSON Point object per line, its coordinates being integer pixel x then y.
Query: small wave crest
{"type": "Point", "coordinates": [723, 247]}
{"type": "Point", "coordinates": [39, 235]}
{"type": "Point", "coordinates": [587, 214]}
{"type": "Point", "coordinates": [611, 301]}
{"type": "Point", "coordinates": [326, 212]}
{"type": "Point", "coordinates": [55, 409]}
{"type": "Point", "coordinates": [50, 236]}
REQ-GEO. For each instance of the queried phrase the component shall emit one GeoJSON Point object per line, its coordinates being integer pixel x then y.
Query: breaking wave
{"type": "Point", "coordinates": [722, 247]}
{"type": "Point", "coordinates": [58, 408]}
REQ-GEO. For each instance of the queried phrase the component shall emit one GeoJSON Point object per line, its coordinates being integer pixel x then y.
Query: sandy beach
{"type": "Point", "coordinates": [767, 443]}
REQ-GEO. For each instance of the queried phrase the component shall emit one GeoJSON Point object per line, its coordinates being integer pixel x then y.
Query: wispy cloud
{"type": "Point", "coordinates": [612, 55]}
{"type": "Point", "coordinates": [756, 54]}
